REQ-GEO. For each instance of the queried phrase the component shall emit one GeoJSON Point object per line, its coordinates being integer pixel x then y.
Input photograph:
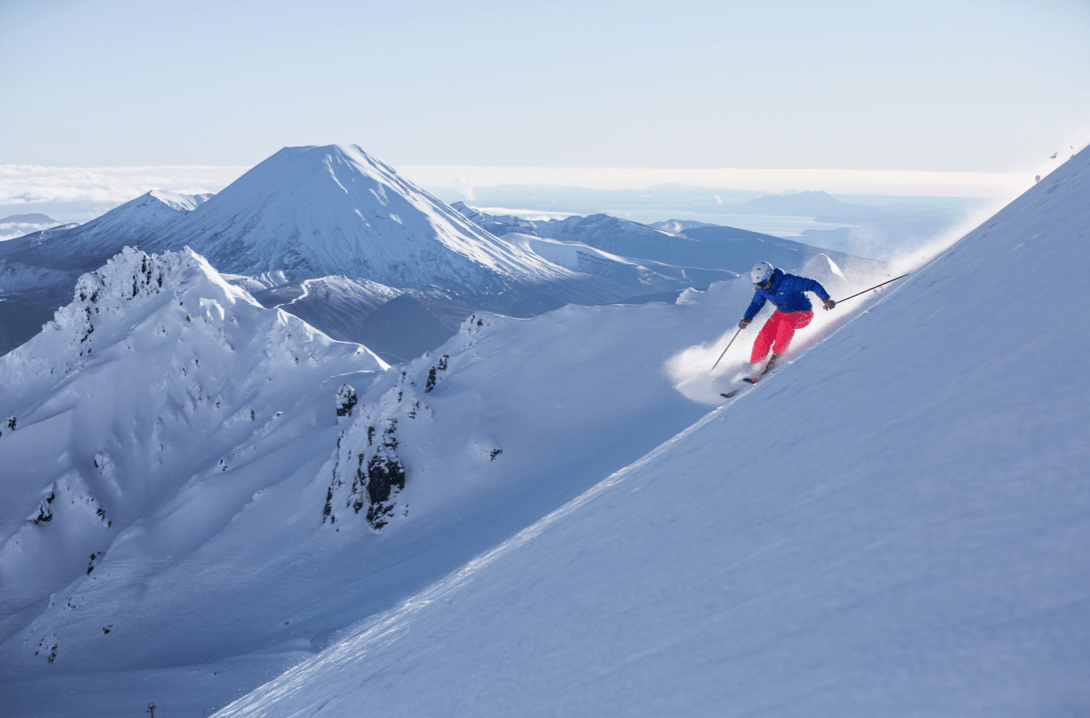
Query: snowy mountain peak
{"type": "Point", "coordinates": [178, 201]}
{"type": "Point", "coordinates": [151, 212]}
{"type": "Point", "coordinates": [128, 283]}
{"type": "Point", "coordinates": [159, 386]}
{"type": "Point", "coordinates": [172, 307]}
{"type": "Point", "coordinates": [335, 210]}
{"type": "Point", "coordinates": [139, 223]}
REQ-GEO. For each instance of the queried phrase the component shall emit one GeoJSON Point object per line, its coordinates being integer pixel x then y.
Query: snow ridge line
{"type": "Point", "coordinates": [388, 626]}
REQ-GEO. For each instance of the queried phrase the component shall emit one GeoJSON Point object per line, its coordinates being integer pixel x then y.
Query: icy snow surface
{"type": "Point", "coordinates": [896, 524]}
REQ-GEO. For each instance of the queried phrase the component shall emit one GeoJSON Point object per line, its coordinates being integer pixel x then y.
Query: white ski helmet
{"type": "Point", "coordinates": [761, 272]}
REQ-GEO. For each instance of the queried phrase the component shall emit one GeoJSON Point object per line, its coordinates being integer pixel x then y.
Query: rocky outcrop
{"type": "Point", "coordinates": [369, 473]}
{"type": "Point", "coordinates": [346, 401]}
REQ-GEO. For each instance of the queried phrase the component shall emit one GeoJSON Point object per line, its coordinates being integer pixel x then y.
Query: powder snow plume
{"type": "Point", "coordinates": [691, 369]}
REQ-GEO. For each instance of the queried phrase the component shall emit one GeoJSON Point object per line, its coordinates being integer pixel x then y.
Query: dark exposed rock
{"type": "Point", "coordinates": [378, 479]}
{"type": "Point", "coordinates": [45, 509]}
{"type": "Point", "coordinates": [346, 400]}
{"type": "Point", "coordinates": [436, 372]}
{"type": "Point", "coordinates": [369, 473]}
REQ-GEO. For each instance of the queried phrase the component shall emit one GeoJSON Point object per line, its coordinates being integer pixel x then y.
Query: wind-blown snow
{"type": "Point", "coordinates": [892, 525]}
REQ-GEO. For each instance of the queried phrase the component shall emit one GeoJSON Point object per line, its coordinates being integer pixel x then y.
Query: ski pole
{"type": "Point", "coordinates": [871, 289]}
{"type": "Point", "coordinates": [725, 350]}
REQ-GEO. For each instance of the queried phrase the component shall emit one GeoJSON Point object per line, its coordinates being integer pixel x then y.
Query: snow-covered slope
{"type": "Point", "coordinates": [581, 249]}
{"type": "Point", "coordinates": [509, 420]}
{"type": "Point", "coordinates": [331, 214]}
{"type": "Point", "coordinates": [706, 246]}
{"type": "Point", "coordinates": [498, 225]}
{"type": "Point", "coordinates": [86, 246]}
{"type": "Point", "coordinates": [335, 210]}
{"type": "Point", "coordinates": [139, 424]}
{"type": "Point", "coordinates": [39, 270]}
{"type": "Point", "coordinates": [642, 277]}
{"type": "Point", "coordinates": [894, 524]}
{"type": "Point", "coordinates": [678, 226]}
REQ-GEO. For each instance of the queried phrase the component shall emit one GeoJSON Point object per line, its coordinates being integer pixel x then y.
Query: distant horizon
{"type": "Point", "coordinates": [905, 183]}
{"type": "Point", "coordinates": [23, 188]}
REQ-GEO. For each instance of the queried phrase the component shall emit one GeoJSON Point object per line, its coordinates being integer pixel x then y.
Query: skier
{"type": "Point", "coordinates": [793, 311]}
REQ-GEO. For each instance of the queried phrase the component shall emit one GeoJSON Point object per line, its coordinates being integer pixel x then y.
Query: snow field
{"type": "Point", "coordinates": [891, 525]}
{"type": "Point", "coordinates": [236, 553]}
{"type": "Point", "coordinates": [883, 527]}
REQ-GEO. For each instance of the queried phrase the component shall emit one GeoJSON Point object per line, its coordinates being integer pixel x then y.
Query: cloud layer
{"type": "Point", "coordinates": [888, 182]}
{"type": "Point", "coordinates": [34, 184]}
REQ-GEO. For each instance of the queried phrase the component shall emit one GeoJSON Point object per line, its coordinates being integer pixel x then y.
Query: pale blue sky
{"type": "Point", "coordinates": [952, 86]}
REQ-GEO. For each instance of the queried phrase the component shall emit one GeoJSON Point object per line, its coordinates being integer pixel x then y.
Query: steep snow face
{"type": "Point", "coordinates": [140, 421]}
{"type": "Point", "coordinates": [894, 524]}
{"type": "Point", "coordinates": [315, 520]}
{"type": "Point", "coordinates": [318, 211]}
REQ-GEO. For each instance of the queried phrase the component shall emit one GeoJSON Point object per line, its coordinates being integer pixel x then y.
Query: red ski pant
{"type": "Point", "coordinates": [777, 332]}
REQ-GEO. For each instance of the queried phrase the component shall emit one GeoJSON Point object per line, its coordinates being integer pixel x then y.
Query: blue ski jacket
{"type": "Point", "coordinates": [787, 292]}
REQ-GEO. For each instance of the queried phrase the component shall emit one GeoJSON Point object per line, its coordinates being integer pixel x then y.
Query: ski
{"type": "Point", "coordinates": [733, 392]}
{"type": "Point", "coordinates": [767, 370]}
{"type": "Point", "coordinates": [751, 380]}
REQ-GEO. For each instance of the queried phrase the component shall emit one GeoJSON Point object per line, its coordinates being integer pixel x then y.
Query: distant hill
{"type": "Point", "coordinates": [28, 219]}
{"type": "Point", "coordinates": [17, 225]}
{"type": "Point", "coordinates": [699, 245]}
{"type": "Point", "coordinates": [803, 204]}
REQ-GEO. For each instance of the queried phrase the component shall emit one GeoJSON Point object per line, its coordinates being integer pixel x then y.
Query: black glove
{"type": "Point", "coordinates": [744, 323]}
{"type": "Point", "coordinates": [828, 304]}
